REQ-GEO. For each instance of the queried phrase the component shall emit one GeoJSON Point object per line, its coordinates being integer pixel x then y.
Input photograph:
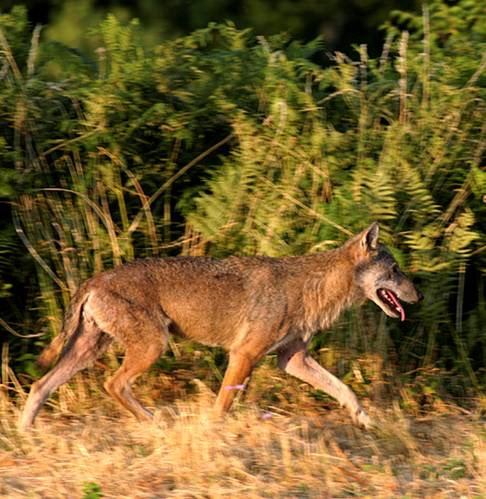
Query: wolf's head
{"type": "Point", "coordinates": [378, 275]}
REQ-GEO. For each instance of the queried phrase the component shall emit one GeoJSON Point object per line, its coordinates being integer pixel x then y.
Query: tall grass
{"type": "Point", "coordinates": [293, 450]}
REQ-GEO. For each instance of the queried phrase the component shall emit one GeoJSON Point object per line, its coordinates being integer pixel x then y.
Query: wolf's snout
{"type": "Point", "coordinates": [420, 296]}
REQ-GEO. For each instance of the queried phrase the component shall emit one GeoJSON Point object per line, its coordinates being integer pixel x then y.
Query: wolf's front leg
{"type": "Point", "coordinates": [295, 360]}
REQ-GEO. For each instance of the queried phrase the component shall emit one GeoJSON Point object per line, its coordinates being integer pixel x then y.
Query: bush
{"type": "Point", "coordinates": [225, 142]}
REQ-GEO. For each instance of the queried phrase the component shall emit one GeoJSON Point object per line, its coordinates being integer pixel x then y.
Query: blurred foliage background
{"type": "Point", "coordinates": [216, 128]}
{"type": "Point", "coordinates": [68, 21]}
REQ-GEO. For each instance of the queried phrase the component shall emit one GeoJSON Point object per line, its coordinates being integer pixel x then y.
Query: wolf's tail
{"type": "Point", "coordinates": [70, 327]}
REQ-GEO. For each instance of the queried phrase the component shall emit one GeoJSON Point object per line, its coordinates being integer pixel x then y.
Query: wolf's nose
{"type": "Point", "coordinates": [420, 296]}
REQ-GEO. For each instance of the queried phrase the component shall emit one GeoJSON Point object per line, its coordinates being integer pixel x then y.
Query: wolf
{"type": "Point", "coordinates": [250, 306]}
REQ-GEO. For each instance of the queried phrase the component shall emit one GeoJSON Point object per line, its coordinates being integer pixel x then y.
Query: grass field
{"type": "Point", "coordinates": [298, 446]}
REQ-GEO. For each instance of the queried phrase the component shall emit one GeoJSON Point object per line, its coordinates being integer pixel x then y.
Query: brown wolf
{"type": "Point", "coordinates": [248, 305]}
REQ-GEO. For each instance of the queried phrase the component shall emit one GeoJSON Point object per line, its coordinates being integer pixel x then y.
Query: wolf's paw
{"type": "Point", "coordinates": [360, 418]}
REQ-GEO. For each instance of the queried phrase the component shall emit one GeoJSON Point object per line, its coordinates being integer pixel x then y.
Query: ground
{"type": "Point", "coordinates": [289, 444]}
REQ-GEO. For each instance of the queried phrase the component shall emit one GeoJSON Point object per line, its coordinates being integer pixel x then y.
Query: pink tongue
{"type": "Point", "coordinates": [399, 307]}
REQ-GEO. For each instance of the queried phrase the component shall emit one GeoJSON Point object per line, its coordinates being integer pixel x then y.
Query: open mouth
{"type": "Point", "coordinates": [389, 298]}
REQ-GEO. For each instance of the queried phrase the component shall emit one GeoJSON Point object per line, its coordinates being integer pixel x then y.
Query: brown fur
{"type": "Point", "coordinates": [247, 305]}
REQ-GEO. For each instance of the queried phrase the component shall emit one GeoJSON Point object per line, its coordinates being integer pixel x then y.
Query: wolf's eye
{"type": "Point", "coordinates": [395, 268]}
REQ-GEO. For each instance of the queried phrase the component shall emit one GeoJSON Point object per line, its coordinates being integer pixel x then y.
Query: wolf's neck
{"type": "Point", "coordinates": [328, 289]}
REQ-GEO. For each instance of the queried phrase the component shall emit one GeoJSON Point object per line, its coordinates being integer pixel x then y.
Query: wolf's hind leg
{"type": "Point", "coordinates": [82, 349]}
{"type": "Point", "coordinates": [137, 360]}
{"type": "Point", "coordinates": [295, 360]}
{"type": "Point", "coordinates": [142, 330]}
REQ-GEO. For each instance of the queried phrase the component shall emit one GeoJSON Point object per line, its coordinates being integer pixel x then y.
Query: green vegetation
{"type": "Point", "coordinates": [91, 490]}
{"type": "Point", "coordinates": [225, 142]}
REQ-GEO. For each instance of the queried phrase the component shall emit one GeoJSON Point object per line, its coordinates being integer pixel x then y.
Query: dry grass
{"type": "Point", "coordinates": [82, 447]}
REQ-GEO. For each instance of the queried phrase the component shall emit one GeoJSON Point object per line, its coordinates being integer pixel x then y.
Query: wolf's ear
{"type": "Point", "coordinates": [369, 238]}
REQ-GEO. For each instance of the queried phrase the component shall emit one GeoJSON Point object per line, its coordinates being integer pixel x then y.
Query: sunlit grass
{"type": "Point", "coordinates": [82, 444]}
